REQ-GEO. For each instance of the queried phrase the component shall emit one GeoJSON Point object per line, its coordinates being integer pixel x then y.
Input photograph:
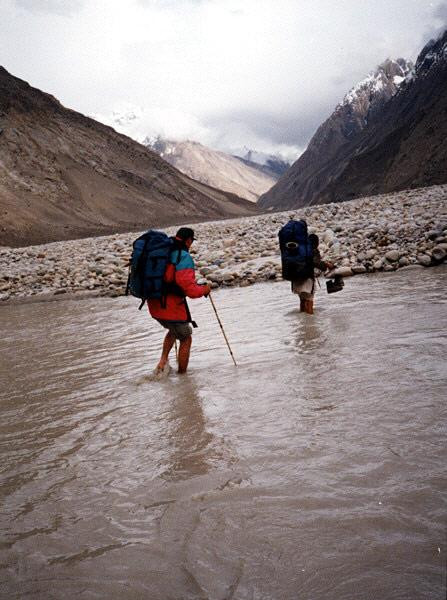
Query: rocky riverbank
{"type": "Point", "coordinates": [383, 233]}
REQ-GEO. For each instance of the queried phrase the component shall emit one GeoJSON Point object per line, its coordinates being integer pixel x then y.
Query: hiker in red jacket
{"type": "Point", "coordinates": [172, 312]}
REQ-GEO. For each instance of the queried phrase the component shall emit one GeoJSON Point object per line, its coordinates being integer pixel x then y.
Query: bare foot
{"type": "Point", "coordinates": [160, 372]}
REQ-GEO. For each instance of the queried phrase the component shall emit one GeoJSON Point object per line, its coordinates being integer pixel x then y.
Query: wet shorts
{"type": "Point", "coordinates": [179, 329]}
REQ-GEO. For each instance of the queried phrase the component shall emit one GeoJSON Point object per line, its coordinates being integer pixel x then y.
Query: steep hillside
{"type": "Point", "coordinates": [406, 146]}
{"type": "Point", "coordinates": [214, 168]}
{"type": "Point", "coordinates": [310, 174]}
{"type": "Point", "coordinates": [63, 175]}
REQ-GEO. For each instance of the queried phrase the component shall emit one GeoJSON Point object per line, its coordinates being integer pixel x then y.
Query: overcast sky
{"type": "Point", "coordinates": [227, 73]}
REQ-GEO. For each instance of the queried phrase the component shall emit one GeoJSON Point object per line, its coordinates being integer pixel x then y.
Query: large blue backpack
{"type": "Point", "coordinates": [296, 251]}
{"type": "Point", "coordinates": [150, 257]}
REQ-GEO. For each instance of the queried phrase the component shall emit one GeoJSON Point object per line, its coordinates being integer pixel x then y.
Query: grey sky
{"type": "Point", "coordinates": [228, 73]}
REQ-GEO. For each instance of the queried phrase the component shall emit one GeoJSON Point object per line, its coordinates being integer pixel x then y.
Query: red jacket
{"type": "Point", "coordinates": [182, 274]}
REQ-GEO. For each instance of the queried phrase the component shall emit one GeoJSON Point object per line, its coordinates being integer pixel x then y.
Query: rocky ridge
{"type": "Point", "coordinates": [401, 230]}
{"type": "Point", "coordinates": [214, 168]}
{"type": "Point", "coordinates": [309, 175]}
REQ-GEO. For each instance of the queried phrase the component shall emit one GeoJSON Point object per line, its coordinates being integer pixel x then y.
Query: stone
{"type": "Point", "coordinates": [328, 236]}
{"type": "Point", "coordinates": [392, 255]}
{"type": "Point", "coordinates": [403, 261]}
{"type": "Point", "coordinates": [370, 253]}
{"type": "Point", "coordinates": [343, 271]}
{"type": "Point", "coordinates": [424, 260]}
{"type": "Point", "coordinates": [378, 265]}
{"type": "Point", "coordinates": [439, 252]}
{"type": "Point", "coordinates": [358, 269]}
{"type": "Point", "coordinates": [216, 277]}
{"type": "Point", "coordinates": [412, 267]}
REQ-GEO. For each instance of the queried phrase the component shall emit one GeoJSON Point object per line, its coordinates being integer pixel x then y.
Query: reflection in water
{"type": "Point", "coordinates": [314, 469]}
{"type": "Point", "coordinates": [188, 442]}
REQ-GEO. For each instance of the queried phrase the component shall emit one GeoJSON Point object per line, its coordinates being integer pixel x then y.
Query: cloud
{"type": "Point", "coordinates": [224, 72]}
{"type": "Point", "coordinates": [437, 24]}
{"type": "Point", "coordinates": [57, 7]}
{"type": "Point", "coordinates": [441, 13]}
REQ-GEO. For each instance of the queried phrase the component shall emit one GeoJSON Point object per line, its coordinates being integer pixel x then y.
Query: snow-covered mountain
{"type": "Point", "coordinates": [271, 164]}
{"type": "Point", "coordinates": [303, 182]}
{"type": "Point", "coordinates": [217, 169]}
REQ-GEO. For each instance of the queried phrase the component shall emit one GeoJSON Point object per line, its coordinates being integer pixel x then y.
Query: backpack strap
{"type": "Point", "coordinates": [188, 314]}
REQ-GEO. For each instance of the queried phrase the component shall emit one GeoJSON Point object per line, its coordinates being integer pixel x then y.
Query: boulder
{"type": "Point", "coordinates": [392, 255]}
{"type": "Point", "coordinates": [216, 277]}
{"type": "Point", "coordinates": [343, 271]}
{"type": "Point", "coordinates": [424, 260]}
{"type": "Point", "coordinates": [328, 236]}
{"type": "Point", "coordinates": [358, 269]}
{"type": "Point", "coordinates": [439, 252]}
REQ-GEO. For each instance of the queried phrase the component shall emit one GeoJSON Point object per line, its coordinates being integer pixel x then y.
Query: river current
{"type": "Point", "coordinates": [315, 469]}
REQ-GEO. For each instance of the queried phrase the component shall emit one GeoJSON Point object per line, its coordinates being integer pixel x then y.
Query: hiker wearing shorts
{"type": "Point", "coordinates": [172, 311]}
{"type": "Point", "coordinates": [305, 288]}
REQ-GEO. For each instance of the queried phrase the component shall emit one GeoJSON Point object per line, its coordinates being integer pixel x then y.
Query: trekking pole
{"type": "Point", "coordinates": [176, 351]}
{"type": "Point", "coordinates": [221, 326]}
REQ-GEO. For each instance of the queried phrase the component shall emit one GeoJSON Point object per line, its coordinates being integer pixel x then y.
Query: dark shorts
{"type": "Point", "coordinates": [179, 329]}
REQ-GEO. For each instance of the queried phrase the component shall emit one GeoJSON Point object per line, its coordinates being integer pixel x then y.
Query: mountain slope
{"type": "Point", "coordinates": [214, 168]}
{"type": "Point", "coordinates": [310, 174]}
{"type": "Point", "coordinates": [271, 164]}
{"type": "Point", "coordinates": [63, 175]}
{"type": "Point", "coordinates": [406, 147]}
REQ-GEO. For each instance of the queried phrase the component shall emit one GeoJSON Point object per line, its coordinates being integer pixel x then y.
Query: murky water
{"type": "Point", "coordinates": [314, 470]}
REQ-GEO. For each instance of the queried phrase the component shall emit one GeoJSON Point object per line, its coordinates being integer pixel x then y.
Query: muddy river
{"type": "Point", "coordinates": [315, 469]}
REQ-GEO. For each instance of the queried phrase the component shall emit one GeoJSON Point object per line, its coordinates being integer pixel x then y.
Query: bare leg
{"type": "Point", "coordinates": [309, 307]}
{"type": "Point", "coordinates": [302, 304]}
{"type": "Point", "coordinates": [183, 354]}
{"type": "Point", "coordinates": [167, 345]}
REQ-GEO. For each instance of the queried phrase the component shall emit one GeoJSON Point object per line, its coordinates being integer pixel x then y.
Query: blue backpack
{"type": "Point", "coordinates": [296, 251]}
{"type": "Point", "coordinates": [150, 256]}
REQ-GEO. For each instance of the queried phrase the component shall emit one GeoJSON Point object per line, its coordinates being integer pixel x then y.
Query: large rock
{"type": "Point", "coordinates": [358, 269]}
{"type": "Point", "coordinates": [343, 271]}
{"type": "Point", "coordinates": [392, 255]}
{"type": "Point", "coordinates": [439, 252]}
{"type": "Point", "coordinates": [424, 260]}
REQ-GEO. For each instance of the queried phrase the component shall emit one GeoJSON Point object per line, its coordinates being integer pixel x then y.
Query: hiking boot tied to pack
{"type": "Point", "coordinates": [162, 273]}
